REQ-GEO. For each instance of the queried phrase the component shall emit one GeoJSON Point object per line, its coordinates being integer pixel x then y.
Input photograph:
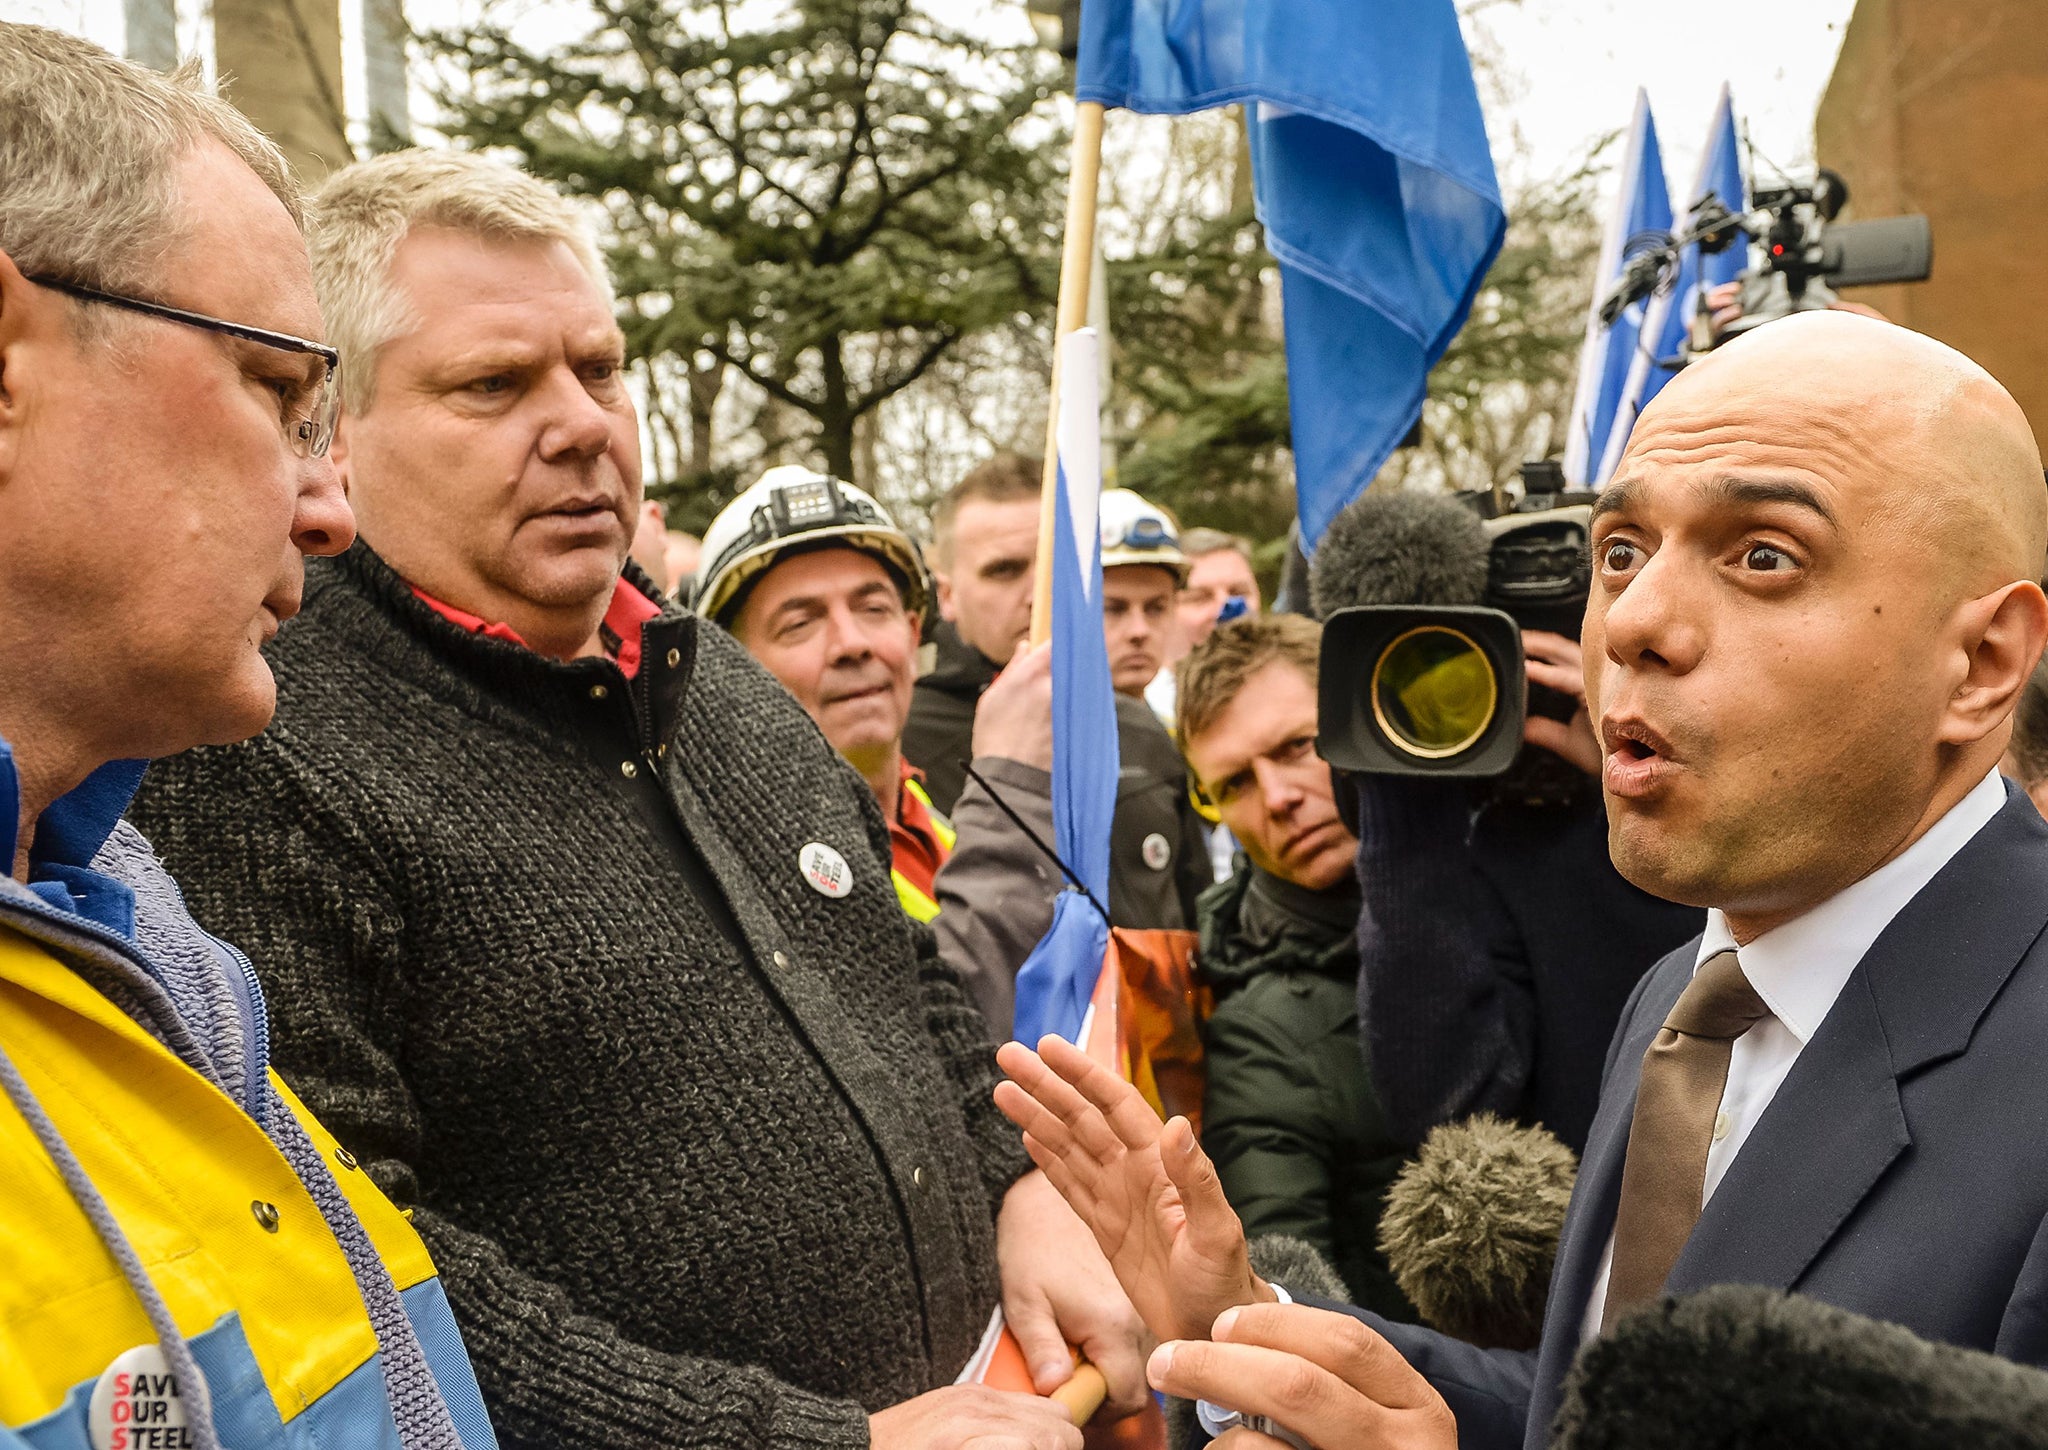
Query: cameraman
{"type": "Point", "coordinates": [1497, 943]}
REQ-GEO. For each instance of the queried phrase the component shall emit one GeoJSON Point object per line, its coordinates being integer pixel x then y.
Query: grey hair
{"type": "Point", "coordinates": [362, 213]}
{"type": "Point", "coordinates": [89, 146]}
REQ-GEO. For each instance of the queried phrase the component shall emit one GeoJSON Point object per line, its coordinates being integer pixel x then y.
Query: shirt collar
{"type": "Point", "coordinates": [69, 833]}
{"type": "Point", "coordinates": [1801, 967]}
{"type": "Point", "coordinates": [623, 617]}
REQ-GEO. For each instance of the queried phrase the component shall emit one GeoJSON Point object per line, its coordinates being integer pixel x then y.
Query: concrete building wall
{"type": "Point", "coordinates": [1941, 106]}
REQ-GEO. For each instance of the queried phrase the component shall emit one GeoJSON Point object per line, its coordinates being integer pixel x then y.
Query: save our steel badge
{"type": "Point", "coordinates": [826, 870]}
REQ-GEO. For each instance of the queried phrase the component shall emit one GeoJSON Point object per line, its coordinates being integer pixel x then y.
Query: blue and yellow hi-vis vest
{"type": "Point", "coordinates": [230, 1237]}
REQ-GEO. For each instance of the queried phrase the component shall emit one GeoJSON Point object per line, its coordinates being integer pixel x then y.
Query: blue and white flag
{"type": "Point", "coordinates": [1058, 978]}
{"type": "Point", "coordinates": [1641, 219]}
{"type": "Point", "coordinates": [1373, 179]}
{"type": "Point", "coordinates": [1670, 313]}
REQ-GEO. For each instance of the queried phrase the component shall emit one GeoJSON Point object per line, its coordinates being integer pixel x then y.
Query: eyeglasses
{"type": "Point", "coordinates": [308, 434]}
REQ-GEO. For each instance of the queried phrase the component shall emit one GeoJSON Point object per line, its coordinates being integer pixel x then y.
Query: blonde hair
{"type": "Point", "coordinates": [362, 212]}
{"type": "Point", "coordinates": [89, 149]}
{"type": "Point", "coordinates": [1210, 675]}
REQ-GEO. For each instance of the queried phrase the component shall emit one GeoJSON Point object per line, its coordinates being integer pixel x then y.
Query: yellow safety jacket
{"type": "Point", "coordinates": [916, 902]}
{"type": "Point", "coordinates": [223, 1227]}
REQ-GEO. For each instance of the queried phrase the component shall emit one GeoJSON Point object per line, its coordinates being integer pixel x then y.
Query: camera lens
{"type": "Point", "coordinates": [1434, 692]}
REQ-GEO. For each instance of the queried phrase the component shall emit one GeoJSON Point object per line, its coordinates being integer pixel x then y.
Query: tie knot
{"type": "Point", "coordinates": [1718, 1003]}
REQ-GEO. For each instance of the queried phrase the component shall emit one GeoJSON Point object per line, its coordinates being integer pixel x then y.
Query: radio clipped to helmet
{"type": "Point", "coordinates": [1442, 689]}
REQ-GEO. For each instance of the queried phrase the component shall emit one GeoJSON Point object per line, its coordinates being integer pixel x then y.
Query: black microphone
{"type": "Point", "coordinates": [1392, 546]}
{"type": "Point", "coordinates": [1742, 1366]}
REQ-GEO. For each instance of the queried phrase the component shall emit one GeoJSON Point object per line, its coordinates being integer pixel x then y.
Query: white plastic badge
{"type": "Point", "coordinates": [826, 870]}
{"type": "Point", "coordinates": [136, 1405]}
{"type": "Point", "coordinates": [1156, 851]}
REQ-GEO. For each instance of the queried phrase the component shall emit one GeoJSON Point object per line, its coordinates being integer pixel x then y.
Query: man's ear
{"type": "Point", "coordinates": [15, 294]}
{"type": "Point", "coordinates": [942, 589]}
{"type": "Point", "coordinates": [2003, 635]}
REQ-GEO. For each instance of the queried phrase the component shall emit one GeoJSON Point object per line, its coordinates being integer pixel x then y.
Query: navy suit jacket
{"type": "Point", "coordinates": [1901, 1171]}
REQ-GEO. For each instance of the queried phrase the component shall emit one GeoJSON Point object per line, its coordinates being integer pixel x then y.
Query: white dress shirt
{"type": "Point", "coordinates": [1799, 969]}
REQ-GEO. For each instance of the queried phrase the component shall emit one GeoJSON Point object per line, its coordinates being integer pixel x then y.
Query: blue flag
{"type": "Point", "coordinates": [1373, 179]}
{"type": "Point", "coordinates": [1641, 218]}
{"type": "Point", "coordinates": [1670, 313]}
{"type": "Point", "coordinates": [1058, 978]}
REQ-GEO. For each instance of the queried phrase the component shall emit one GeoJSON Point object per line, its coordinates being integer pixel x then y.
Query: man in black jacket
{"type": "Point", "coordinates": [1288, 1113]}
{"type": "Point", "coordinates": [984, 542]}
{"type": "Point", "coordinates": [581, 938]}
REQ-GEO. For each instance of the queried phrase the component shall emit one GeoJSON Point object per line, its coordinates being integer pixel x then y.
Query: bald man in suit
{"type": "Point", "coordinates": [1813, 611]}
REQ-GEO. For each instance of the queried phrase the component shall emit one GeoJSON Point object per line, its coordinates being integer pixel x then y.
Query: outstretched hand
{"type": "Point", "coordinates": [1147, 1192]}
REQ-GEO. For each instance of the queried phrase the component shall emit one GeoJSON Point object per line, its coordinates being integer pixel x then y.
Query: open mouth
{"type": "Point", "coordinates": [1638, 758]}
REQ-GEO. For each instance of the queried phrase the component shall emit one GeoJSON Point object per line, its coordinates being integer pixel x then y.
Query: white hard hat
{"type": "Point", "coordinates": [791, 507]}
{"type": "Point", "coordinates": [1137, 532]}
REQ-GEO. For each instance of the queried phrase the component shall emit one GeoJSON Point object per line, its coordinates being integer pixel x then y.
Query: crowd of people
{"type": "Point", "coordinates": [479, 967]}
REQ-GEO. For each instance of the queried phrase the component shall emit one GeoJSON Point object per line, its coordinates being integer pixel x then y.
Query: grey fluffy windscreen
{"type": "Point", "coordinates": [1395, 547]}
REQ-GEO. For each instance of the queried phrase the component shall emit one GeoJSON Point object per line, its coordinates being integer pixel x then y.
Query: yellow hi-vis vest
{"type": "Point", "coordinates": [916, 904]}
{"type": "Point", "coordinates": [215, 1213]}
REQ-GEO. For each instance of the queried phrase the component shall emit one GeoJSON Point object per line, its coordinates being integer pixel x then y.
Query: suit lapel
{"type": "Point", "coordinates": [1837, 1123]}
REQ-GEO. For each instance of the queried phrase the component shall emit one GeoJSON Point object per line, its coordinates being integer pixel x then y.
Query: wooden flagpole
{"type": "Point", "coordinates": [1082, 1395]}
{"type": "Point", "coordinates": [1084, 175]}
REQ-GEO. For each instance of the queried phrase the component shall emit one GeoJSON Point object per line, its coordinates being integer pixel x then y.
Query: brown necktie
{"type": "Point", "coordinates": [1664, 1177]}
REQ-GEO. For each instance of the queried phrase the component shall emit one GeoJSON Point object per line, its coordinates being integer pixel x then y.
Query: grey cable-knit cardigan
{"type": "Point", "coordinates": [681, 1191]}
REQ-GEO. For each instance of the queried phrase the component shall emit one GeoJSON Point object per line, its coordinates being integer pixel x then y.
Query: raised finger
{"type": "Point", "coordinates": [1030, 1072]}
{"type": "Point", "coordinates": [1127, 1114]}
{"type": "Point", "coordinates": [1563, 678]}
{"type": "Point", "coordinates": [1212, 1224]}
{"type": "Point", "coordinates": [1060, 1174]}
{"type": "Point", "coordinates": [1552, 648]}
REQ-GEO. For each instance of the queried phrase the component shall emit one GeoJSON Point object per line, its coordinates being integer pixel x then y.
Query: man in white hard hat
{"type": "Point", "coordinates": [1142, 571]}
{"type": "Point", "coordinates": [816, 580]}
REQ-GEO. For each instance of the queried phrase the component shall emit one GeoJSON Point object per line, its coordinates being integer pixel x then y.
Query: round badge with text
{"type": "Point", "coordinates": [135, 1404]}
{"type": "Point", "coordinates": [1156, 851]}
{"type": "Point", "coordinates": [826, 870]}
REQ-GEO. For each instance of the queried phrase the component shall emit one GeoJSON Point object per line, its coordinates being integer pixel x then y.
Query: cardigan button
{"type": "Point", "coordinates": [266, 1215]}
{"type": "Point", "coordinates": [628, 769]}
{"type": "Point", "coordinates": [598, 692]}
{"type": "Point", "coordinates": [781, 962]}
{"type": "Point", "coordinates": [345, 1158]}
{"type": "Point", "coordinates": [917, 1178]}
{"type": "Point", "coordinates": [675, 657]}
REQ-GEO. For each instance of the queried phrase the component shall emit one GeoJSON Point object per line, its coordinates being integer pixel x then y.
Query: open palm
{"type": "Point", "coordinates": [1146, 1190]}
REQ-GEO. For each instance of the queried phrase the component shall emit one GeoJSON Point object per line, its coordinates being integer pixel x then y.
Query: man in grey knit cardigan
{"type": "Point", "coordinates": [580, 936]}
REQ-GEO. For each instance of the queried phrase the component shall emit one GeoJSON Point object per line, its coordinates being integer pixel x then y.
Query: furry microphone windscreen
{"type": "Point", "coordinates": [1471, 1228]}
{"type": "Point", "coordinates": [1395, 547]}
{"type": "Point", "coordinates": [1742, 1368]}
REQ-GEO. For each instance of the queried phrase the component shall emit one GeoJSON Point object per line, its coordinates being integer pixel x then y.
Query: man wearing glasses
{"type": "Point", "coordinates": [586, 941]}
{"type": "Point", "coordinates": [182, 1246]}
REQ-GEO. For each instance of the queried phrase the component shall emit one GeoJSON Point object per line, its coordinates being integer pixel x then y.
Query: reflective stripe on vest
{"type": "Point", "coordinates": [941, 827]}
{"type": "Point", "coordinates": [916, 904]}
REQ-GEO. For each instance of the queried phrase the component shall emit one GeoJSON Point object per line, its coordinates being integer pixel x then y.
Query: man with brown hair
{"type": "Point", "coordinates": [1290, 1118]}
{"type": "Point", "coordinates": [984, 547]}
{"type": "Point", "coordinates": [984, 543]}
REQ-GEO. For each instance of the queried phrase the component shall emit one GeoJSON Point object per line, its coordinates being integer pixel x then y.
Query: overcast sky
{"type": "Point", "coordinates": [1577, 64]}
